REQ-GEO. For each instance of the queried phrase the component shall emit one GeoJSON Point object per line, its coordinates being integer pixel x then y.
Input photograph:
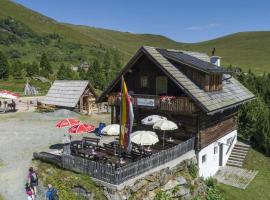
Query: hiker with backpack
{"type": "Point", "coordinates": [33, 179]}
{"type": "Point", "coordinates": [29, 192]}
{"type": "Point", "coordinates": [52, 193]}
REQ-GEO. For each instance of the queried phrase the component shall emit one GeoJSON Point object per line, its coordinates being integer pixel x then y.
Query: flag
{"type": "Point", "coordinates": [127, 116]}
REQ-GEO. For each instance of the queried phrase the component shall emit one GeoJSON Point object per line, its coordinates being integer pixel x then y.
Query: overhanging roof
{"type": "Point", "coordinates": [232, 94]}
{"type": "Point", "coordinates": [66, 93]}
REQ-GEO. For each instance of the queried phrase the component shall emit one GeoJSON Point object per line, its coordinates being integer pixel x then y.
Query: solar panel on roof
{"type": "Point", "coordinates": [191, 60]}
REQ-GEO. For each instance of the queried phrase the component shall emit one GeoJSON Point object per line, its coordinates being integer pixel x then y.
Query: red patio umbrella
{"type": "Point", "coordinates": [67, 122]}
{"type": "Point", "coordinates": [81, 128]}
{"type": "Point", "coordinates": [8, 94]}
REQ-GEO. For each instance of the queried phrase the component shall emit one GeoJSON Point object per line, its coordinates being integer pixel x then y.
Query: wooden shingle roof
{"type": "Point", "coordinates": [66, 93]}
{"type": "Point", "coordinates": [232, 94]}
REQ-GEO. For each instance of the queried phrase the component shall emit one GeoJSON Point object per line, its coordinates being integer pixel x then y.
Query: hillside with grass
{"type": "Point", "coordinates": [26, 34]}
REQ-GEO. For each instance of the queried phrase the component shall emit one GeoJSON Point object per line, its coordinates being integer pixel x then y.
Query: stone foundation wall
{"type": "Point", "coordinates": [177, 182]}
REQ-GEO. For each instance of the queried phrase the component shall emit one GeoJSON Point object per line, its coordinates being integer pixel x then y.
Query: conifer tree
{"type": "Point", "coordinates": [45, 66]}
{"type": "Point", "coordinates": [4, 66]}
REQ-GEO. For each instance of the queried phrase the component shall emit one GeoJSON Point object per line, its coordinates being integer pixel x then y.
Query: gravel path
{"type": "Point", "coordinates": [22, 134]}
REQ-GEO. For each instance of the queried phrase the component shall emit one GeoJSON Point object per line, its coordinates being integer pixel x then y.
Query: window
{"type": "Point", "coordinates": [204, 158]}
{"type": "Point", "coordinates": [229, 141]}
{"type": "Point", "coordinates": [215, 150]}
{"type": "Point", "coordinates": [161, 85]}
{"type": "Point", "coordinates": [144, 82]}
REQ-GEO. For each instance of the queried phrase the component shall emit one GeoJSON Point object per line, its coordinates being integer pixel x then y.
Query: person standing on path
{"type": "Point", "coordinates": [66, 144]}
{"type": "Point", "coordinates": [52, 193]}
{"type": "Point", "coordinates": [29, 192]}
{"type": "Point", "coordinates": [33, 179]}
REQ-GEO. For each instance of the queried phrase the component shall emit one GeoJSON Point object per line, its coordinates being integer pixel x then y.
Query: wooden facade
{"type": "Point", "coordinates": [143, 85]}
{"type": "Point", "coordinates": [209, 82]}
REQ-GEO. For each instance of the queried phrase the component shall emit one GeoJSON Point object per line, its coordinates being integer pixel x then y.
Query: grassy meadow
{"type": "Point", "coordinates": [18, 86]}
{"type": "Point", "coordinates": [259, 188]}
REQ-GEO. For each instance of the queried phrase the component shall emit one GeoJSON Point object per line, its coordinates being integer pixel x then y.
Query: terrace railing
{"type": "Point", "coordinates": [163, 103]}
{"type": "Point", "coordinates": [110, 174]}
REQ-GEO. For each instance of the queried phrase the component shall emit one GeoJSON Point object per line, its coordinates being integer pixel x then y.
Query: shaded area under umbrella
{"type": "Point", "coordinates": [165, 125]}
{"type": "Point", "coordinates": [144, 138]}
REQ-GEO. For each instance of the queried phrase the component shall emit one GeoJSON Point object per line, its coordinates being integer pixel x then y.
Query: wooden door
{"type": "Point", "coordinates": [220, 154]}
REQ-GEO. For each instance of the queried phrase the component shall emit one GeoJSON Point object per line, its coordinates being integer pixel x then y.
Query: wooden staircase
{"type": "Point", "coordinates": [238, 154]}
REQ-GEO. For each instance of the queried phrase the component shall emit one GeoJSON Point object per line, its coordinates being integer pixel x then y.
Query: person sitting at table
{"type": "Point", "coordinates": [93, 151]}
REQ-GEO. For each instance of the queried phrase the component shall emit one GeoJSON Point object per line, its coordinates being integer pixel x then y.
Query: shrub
{"type": "Point", "coordinates": [162, 196]}
{"type": "Point", "coordinates": [193, 170]}
{"type": "Point", "coordinates": [211, 182]}
{"type": "Point", "coordinates": [213, 194]}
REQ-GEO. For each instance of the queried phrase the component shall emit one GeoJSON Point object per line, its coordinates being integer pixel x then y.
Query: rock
{"type": "Point", "coordinates": [170, 185]}
{"type": "Point", "coordinates": [165, 176]}
{"type": "Point", "coordinates": [181, 180]}
{"type": "Point", "coordinates": [182, 191]}
{"type": "Point", "coordinates": [83, 192]}
{"type": "Point", "coordinates": [138, 185]}
{"type": "Point", "coordinates": [150, 196]}
{"type": "Point", "coordinates": [180, 167]}
{"type": "Point", "coordinates": [153, 185]}
{"type": "Point", "coordinates": [152, 177]}
{"type": "Point", "coordinates": [186, 197]}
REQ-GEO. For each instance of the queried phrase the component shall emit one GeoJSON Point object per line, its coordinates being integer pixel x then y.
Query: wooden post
{"type": "Point", "coordinates": [112, 115]}
{"type": "Point", "coordinates": [81, 104]}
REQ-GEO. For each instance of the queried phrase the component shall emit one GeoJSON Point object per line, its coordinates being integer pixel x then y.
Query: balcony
{"type": "Point", "coordinates": [162, 103]}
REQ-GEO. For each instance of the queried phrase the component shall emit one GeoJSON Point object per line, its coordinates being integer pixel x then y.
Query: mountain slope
{"type": "Point", "coordinates": [74, 43]}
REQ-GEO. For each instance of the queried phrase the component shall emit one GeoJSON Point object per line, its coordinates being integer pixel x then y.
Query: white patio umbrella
{"type": "Point", "coordinates": [152, 119]}
{"type": "Point", "coordinates": [144, 137]}
{"type": "Point", "coordinates": [112, 129]}
{"type": "Point", "coordinates": [165, 125]}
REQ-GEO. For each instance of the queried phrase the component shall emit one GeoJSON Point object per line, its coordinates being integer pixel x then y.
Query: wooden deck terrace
{"type": "Point", "coordinates": [110, 164]}
{"type": "Point", "coordinates": [162, 103]}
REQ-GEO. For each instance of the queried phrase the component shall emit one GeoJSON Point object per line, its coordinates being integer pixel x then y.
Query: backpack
{"type": "Point", "coordinates": [55, 195]}
{"type": "Point", "coordinates": [34, 177]}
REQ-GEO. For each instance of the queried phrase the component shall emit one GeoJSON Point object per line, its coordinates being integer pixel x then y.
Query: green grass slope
{"type": "Point", "coordinates": [259, 188]}
{"type": "Point", "coordinates": [247, 50]}
{"type": "Point", "coordinates": [126, 42]}
{"type": "Point", "coordinates": [41, 24]}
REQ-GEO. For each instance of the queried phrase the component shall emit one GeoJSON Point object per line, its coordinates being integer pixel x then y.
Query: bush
{"type": "Point", "coordinates": [162, 196]}
{"type": "Point", "coordinates": [193, 170]}
{"type": "Point", "coordinates": [211, 182]}
{"type": "Point", "coordinates": [213, 194]}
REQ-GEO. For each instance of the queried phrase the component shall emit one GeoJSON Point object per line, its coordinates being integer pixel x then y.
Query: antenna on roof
{"type": "Point", "coordinates": [213, 51]}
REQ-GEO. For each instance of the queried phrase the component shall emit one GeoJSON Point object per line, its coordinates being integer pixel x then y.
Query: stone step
{"type": "Point", "coordinates": [242, 144]}
{"type": "Point", "coordinates": [240, 151]}
{"type": "Point", "coordinates": [234, 163]}
{"type": "Point", "coordinates": [237, 156]}
{"type": "Point", "coordinates": [243, 148]}
{"type": "Point", "coordinates": [236, 153]}
{"type": "Point", "coordinates": [241, 159]}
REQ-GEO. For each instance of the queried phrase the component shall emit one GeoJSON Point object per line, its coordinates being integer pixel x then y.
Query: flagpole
{"type": "Point", "coordinates": [122, 82]}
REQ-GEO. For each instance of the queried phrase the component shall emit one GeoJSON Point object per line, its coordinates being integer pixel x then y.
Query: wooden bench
{"type": "Point", "coordinates": [91, 140]}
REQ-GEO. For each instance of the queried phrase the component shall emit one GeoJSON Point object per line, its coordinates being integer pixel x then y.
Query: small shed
{"type": "Point", "coordinates": [74, 95]}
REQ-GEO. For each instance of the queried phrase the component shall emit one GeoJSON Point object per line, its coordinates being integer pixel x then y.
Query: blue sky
{"type": "Point", "coordinates": [181, 20]}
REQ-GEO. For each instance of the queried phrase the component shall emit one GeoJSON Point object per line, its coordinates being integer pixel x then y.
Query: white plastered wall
{"type": "Point", "coordinates": [211, 164]}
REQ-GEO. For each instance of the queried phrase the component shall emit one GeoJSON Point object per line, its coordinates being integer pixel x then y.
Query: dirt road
{"type": "Point", "coordinates": [21, 134]}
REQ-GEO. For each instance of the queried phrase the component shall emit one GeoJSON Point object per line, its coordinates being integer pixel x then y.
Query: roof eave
{"type": "Point", "coordinates": [230, 106]}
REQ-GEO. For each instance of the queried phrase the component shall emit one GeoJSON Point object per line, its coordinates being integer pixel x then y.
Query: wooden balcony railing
{"type": "Point", "coordinates": [175, 104]}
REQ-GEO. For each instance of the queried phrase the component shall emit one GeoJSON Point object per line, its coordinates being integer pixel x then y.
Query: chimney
{"type": "Point", "coordinates": [215, 60]}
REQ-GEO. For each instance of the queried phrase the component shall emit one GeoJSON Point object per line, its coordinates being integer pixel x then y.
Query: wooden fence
{"type": "Point", "coordinates": [116, 176]}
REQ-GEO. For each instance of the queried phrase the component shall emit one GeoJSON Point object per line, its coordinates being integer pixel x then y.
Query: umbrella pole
{"type": "Point", "coordinates": [163, 138]}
